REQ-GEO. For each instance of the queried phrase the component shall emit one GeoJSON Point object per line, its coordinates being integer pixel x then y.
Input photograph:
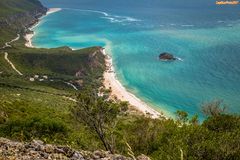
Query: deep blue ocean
{"type": "Point", "coordinates": [205, 36]}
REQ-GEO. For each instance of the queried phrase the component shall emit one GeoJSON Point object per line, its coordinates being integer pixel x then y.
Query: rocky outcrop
{"type": "Point", "coordinates": [38, 150]}
{"type": "Point", "coordinates": [96, 59]}
{"type": "Point", "coordinates": [166, 56]}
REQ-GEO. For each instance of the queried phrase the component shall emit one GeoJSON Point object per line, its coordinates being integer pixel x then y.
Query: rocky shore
{"type": "Point", "coordinates": [38, 150]}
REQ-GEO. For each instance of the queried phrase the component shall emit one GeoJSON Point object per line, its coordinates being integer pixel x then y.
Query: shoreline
{"type": "Point", "coordinates": [28, 36]}
{"type": "Point", "coordinates": [121, 93]}
{"type": "Point", "coordinates": [110, 79]}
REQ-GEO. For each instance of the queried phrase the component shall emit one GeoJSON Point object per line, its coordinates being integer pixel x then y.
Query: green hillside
{"type": "Point", "coordinates": [41, 108]}
{"type": "Point", "coordinates": [43, 104]}
{"type": "Point", "coordinates": [10, 7]}
{"type": "Point", "coordinates": [16, 16]}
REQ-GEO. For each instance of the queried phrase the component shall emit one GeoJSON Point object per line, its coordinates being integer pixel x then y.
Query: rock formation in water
{"type": "Point", "coordinates": [166, 56]}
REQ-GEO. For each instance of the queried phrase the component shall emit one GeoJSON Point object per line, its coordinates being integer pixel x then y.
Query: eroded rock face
{"type": "Point", "coordinates": [166, 56]}
{"type": "Point", "coordinates": [38, 150]}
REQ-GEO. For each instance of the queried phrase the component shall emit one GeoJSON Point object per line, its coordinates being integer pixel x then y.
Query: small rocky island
{"type": "Point", "coordinates": [166, 56]}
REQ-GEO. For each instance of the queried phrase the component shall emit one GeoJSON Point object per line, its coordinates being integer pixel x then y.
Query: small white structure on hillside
{"type": "Point", "coordinates": [31, 79]}
{"type": "Point", "coordinates": [36, 76]}
{"type": "Point", "coordinates": [45, 77]}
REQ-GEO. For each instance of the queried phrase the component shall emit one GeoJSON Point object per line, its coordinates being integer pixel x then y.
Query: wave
{"type": "Point", "coordinates": [180, 59]}
{"type": "Point", "coordinates": [120, 19]}
{"type": "Point", "coordinates": [220, 21]}
{"type": "Point", "coordinates": [111, 17]}
{"type": "Point", "coordinates": [187, 25]}
{"type": "Point", "coordinates": [88, 10]}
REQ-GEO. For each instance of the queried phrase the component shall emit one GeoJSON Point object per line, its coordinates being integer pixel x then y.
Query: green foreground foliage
{"type": "Point", "coordinates": [218, 137]}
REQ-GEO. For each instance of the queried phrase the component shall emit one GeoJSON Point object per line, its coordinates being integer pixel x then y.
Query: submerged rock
{"type": "Point", "coordinates": [166, 56]}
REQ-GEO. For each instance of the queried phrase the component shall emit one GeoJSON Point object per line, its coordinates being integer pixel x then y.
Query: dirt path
{"type": "Point", "coordinates": [70, 84]}
{"type": "Point", "coordinates": [70, 99]}
{"type": "Point", "coordinates": [12, 65]}
{"type": "Point", "coordinates": [8, 44]}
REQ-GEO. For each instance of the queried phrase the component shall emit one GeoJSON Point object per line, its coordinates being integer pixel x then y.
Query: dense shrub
{"type": "Point", "coordinates": [222, 123]}
{"type": "Point", "coordinates": [217, 138]}
{"type": "Point", "coordinates": [34, 127]}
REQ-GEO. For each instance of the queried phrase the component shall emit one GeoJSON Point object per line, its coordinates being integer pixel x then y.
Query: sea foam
{"type": "Point", "coordinates": [111, 17]}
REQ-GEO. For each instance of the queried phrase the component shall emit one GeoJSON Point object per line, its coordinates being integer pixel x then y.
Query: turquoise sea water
{"type": "Point", "coordinates": [205, 37]}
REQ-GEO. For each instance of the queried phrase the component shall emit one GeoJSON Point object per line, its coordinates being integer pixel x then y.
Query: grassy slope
{"type": "Point", "coordinates": [22, 100]}
{"type": "Point", "coordinates": [41, 109]}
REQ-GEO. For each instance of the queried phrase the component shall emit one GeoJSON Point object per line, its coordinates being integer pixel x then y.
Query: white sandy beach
{"type": "Point", "coordinates": [110, 80]}
{"type": "Point", "coordinates": [28, 37]}
{"type": "Point", "coordinates": [118, 91]}
{"type": "Point", "coordinates": [53, 10]}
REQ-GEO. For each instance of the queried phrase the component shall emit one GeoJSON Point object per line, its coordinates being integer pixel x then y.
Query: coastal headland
{"type": "Point", "coordinates": [110, 80]}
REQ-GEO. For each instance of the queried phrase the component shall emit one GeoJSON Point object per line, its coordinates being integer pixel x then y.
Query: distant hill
{"type": "Point", "coordinates": [11, 7]}
{"type": "Point", "coordinates": [17, 15]}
